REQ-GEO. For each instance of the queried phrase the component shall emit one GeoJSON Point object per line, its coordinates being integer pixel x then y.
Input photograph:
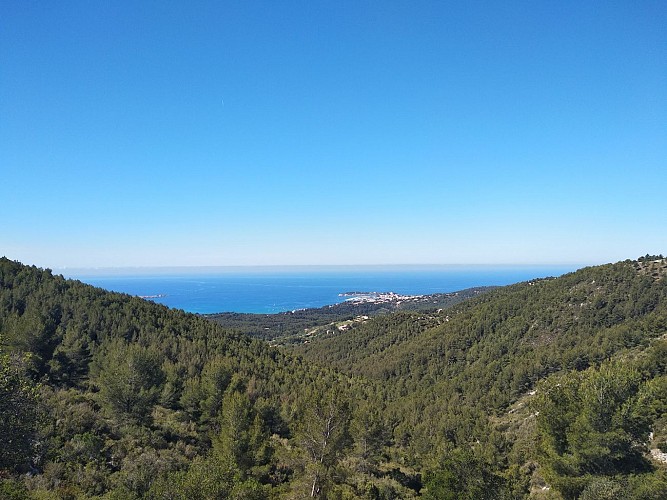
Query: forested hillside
{"type": "Point", "coordinates": [107, 394]}
{"type": "Point", "coordinates": [448, 376]}
{"type": "Point", "coordinates": [552, 388]}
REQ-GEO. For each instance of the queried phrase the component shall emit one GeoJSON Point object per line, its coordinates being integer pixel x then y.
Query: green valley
{"type": "Point", "coordinates": [552, 388]}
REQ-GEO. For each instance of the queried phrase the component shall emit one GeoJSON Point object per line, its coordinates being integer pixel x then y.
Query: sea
{"type": "Point", "coordinates": [268, 290]}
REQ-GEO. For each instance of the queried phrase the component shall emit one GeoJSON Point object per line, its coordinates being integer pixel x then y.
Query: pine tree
{"type": "Point", "coordinates": [324, 436]}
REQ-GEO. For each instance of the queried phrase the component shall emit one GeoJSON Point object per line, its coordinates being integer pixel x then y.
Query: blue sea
{"type": "Point", "coordinates": [276, 289]}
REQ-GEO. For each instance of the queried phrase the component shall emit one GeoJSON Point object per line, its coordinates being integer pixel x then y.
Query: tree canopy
{"type": "Point", "coordinates": [555, 383]}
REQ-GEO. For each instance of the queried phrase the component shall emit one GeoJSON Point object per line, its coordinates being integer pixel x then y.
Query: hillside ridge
{"type": "Point", "coordinates": [118, 397]}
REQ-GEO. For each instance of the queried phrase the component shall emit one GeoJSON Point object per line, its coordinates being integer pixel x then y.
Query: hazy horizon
{"type": "Point", "coordinates": [166, 270]}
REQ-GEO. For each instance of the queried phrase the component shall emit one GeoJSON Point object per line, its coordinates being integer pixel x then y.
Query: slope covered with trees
{"type": "Point", "coordinates": [560, 380]}
{"type": "Point", "coordinates": [447, 375]}
{"type": "Point", "coordinates": [113, 395]}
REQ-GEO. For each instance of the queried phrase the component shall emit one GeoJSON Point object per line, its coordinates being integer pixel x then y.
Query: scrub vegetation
{"type": "Point", "coordinates": [554, 388]}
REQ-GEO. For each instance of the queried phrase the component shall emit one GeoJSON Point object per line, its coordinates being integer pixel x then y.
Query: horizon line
{"type": "Point", "coordinates": [194, 269]}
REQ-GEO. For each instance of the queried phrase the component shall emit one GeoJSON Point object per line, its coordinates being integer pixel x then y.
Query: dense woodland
{"type": "Point", "coordinates": [554, 388]}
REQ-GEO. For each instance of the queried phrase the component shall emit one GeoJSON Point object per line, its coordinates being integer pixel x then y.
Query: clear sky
{"type": "Point", "coordinates": [325, 132]}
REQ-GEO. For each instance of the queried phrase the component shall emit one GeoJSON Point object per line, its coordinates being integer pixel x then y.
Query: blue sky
{"type": "Point", "coordinates": [262, 133]}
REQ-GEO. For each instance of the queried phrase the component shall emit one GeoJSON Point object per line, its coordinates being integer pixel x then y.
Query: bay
{"type": "Point", "coordinates": [278, 289]}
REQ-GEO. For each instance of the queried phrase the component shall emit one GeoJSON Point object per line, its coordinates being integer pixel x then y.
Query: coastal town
{"type": "Point", "coordinates": [380, 297]}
